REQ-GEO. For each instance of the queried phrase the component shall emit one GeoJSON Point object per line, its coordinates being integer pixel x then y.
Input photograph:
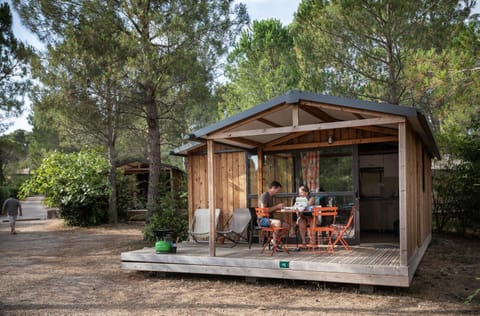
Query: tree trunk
{"type": "Point", "coordinates": [154, 157]}
{"type": "Point", "coordinates": [112, 124]}
{"type": "Point", "coordinates": [112, 177]}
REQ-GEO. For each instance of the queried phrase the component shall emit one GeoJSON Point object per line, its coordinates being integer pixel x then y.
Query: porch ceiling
{"type": "Point", "coordinates": [278, 125]}
{"type": "Point", "coordinates": [278, 121]}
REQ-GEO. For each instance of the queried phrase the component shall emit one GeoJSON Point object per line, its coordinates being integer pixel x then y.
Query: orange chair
{"type": "Point", "coordinates": [340, 229]}
{"type": "Point", "coordinates": [270, 231]}
{"type": "Point", "coordinates": [326, 214]}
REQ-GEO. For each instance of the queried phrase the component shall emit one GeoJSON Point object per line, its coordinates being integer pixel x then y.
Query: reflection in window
{"type": "Point", "coordinates": [310, 167]}
{"type": "Point", "coordinates": [323, 170]}
{"type": "Point", "coordinates": [279, 167]}
{"type": "Point", "coordinates": [329, 169]}
{"type": "Point", "coordinates": [336, 173]}
{"type": "Point", "coordinates": [252, 174]}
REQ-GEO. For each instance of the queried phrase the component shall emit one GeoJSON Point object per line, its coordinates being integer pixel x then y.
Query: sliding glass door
{"type": "Point", "coordinates": [330, 173]}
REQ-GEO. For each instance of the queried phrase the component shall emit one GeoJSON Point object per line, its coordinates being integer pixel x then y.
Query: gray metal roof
{"type": "Point", "coordinates": [414, 117]}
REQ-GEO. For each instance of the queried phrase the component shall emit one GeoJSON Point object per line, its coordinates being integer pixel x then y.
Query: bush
{"type": "Point", "coordinates": [85, 214]}
{"type": "Point", "coordinates": [456, 198]}
{"type": "Point", "coordinates": [5, 192]}
{"type": "Point", "coordinates": [171, 213]}
{"type": "Point", "coordinates": [76, 183]}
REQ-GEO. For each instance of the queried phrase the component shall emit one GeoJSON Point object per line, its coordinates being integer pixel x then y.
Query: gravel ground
{"type": "Point", "coordinates": [50, 269]}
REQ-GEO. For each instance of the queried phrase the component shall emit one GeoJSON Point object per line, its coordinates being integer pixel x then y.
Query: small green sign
{"type": "Point", "coordinates": [284, 264]}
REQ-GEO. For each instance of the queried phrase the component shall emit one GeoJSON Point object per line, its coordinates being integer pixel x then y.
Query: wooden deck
{"type": "Point", "coordinates": [369, 265]}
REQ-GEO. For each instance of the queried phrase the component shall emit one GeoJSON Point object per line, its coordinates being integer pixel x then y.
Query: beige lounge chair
{"type": "Point", "coordinates": [237, 229]}
{"type": "Point", "coordinates": [200, 227]}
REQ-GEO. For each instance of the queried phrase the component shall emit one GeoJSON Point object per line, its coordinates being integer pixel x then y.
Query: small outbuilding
{"type": "Point", "coordinates": [171, 176]}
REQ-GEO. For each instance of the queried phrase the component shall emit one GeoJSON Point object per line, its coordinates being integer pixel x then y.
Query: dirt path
{"type": "Point", "coordinates": [49, 269]}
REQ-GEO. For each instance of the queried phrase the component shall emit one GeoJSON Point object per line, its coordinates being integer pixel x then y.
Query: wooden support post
{"type": "Point", "coordinates": [211, 194]}
{"type": "Point", "coordinates": [402, 184]}
{"type": "Point", "coordinates": [294, 115]}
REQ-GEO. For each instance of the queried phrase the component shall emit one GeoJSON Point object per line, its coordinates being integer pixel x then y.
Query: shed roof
{"type": "Point", "coordinates": [142, 166]}
{"type": "Point", "coordinates": [268, 121]}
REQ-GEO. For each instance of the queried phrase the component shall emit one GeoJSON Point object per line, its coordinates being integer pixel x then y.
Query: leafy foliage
{"type": "Point", "coordinates": [169, 53]}
{"type": "Point", "coordinates": [13, 155]}
{"type": "Point", "coordinates": [13, 151]}
{"type": "Point", "coordinates": [261, 66]}
{"type": "Point", "coordinates": [14, 67]}
{"type": "Point", "coordinates": [77, 183]}
{"type": "Point", "coordinates": [172, 213]}
{"type": "Point", "coordinates": [457, 188]}
{"type": "Point", "coordinates": [358, 48]}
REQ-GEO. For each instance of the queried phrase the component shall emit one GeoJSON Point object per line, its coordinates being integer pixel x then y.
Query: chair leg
{"type": "Point", "coordinates": [343, 242]}
{"type": "Point", "coordinates": [284, 245]}
{"type": "Point", "coordinates": [316, 242]}
{"type": "Point", "coordinates": [330, 244]}
{"type": "Point", "coordinates": [279, 242]}
{"type": "Point", "coordinates": [296, 234]}
{"type": "Point", "coordinates": [267, 239]}
{"type": "Point", "coordinates": [345, 245]}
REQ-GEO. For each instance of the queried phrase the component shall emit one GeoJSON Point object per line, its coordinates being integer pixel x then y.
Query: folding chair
{"type": "Point", "coordinates": [200, 226]}
{"type": "Point", "coordinates": [340, 229]}
{"type": "Point", "coordinates": [239, 221]}
{"type": "Point", "coordinates": [270, 231]}
{"type": "Point", "coordinates": [325, 213]}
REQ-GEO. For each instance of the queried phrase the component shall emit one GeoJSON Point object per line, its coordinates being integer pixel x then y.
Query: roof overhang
{"type": "Point", "coordinates": [272, 124]}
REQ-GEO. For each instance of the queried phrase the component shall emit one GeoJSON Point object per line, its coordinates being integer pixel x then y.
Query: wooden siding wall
{"type": "Point", "coordinates": [231, 180]}
{"type": "Point", "coordinates": [426, 228]}
{"type": "Point", "coordinates": [419, 198]}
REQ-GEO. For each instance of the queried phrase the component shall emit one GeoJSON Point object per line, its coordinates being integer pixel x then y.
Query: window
{"type": "Point", "coordinates": [323, 170]}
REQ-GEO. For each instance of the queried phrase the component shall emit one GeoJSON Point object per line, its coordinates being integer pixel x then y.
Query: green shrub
{"type": "Point", "coordinates": [4, 193]}
{"type": "Point", "coordinates": [171, 213]}
{"type": "Point", "coordinates": [76, 183]}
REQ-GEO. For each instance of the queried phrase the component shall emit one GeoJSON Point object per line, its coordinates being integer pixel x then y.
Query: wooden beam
{"type": "Point", "coordinates": [294, 115]}
{"type": "Point", "coordinates": [211, 194]}
{"type": "Point", "coordinates": [402, 187]}
{"type": "Point", "coordinates": [384, 139]}
{"type": "Point", "coordinates": [308, 127]}
{"type": "Point", "coordinates": [345, 108]}
{"type": "Point", "coordinates": [246, 141]}
{"type": "Point", "coordinates": [268, 122]}
{"type": "Point", "coordinates": [318, 113]}
{"type": "Point", "coordinates": [257, 117]}
{"type": "Point", "coordinates": [286, 138]}
{"type": "Point", "coordinates": [377, 129]}
{"type": "Point", "coordinates": [190, 186]}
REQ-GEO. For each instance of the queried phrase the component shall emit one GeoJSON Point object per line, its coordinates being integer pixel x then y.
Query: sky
{"type": "Point", "coordinates": [257, 9]}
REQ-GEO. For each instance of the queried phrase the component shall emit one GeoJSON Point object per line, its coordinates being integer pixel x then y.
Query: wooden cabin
{"type": "Point", "coordinates": [375, 156]}
{"type": "Point", "coordinates": [171, 176]}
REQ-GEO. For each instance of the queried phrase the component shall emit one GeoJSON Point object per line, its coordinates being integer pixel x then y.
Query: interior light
{"type": "Point", "coordinates": [330, 139]}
